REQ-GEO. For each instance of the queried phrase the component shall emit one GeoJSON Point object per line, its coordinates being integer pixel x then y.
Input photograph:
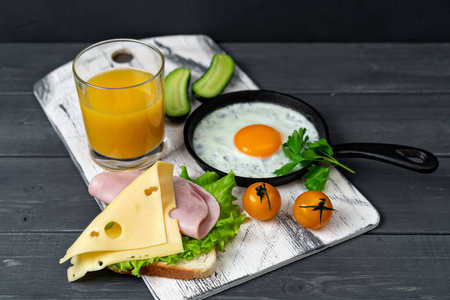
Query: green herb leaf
{"type": "Point", "coordinates": [293, 150]}
{"type": "Point", "coordinates": [321, 146]}
{"type": "Point", "coordinates": [291, 155]}
{"type": "Point", "coordinates": [286, 169]}
{"type": "Point", "coordinates": [309, 156]}
{"type": "Point", "coordinates": [316, 178]}
{"type": "Point", "coordinates": [300, 151]}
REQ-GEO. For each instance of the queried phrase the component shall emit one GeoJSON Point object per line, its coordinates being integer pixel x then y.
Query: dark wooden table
{"type": "Point", "coordinates": [390, 93]}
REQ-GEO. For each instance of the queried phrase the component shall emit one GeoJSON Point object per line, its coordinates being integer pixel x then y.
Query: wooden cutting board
{"type": "Point", "coordinates": [260, 247]}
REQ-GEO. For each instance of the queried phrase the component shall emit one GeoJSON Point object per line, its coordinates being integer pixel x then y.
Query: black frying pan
{"type": "Point", "coordinates": [393, 154]}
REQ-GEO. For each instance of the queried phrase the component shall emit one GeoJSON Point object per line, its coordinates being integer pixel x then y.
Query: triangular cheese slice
{"type": "Point", "coordinates": [93, 261]}
{"type": "Point", "coordinates": [135, 218]}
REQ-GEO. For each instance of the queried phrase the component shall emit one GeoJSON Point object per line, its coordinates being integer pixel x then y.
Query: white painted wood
{"type": "Point", "coordinates": [260, 247]}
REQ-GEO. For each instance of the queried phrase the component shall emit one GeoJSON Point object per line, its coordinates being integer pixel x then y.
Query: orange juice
{"type": "Point", "coordinates": [123, 114]}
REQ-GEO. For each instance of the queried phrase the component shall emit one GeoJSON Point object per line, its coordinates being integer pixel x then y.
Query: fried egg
{"type": "Point", "coordinates": [247, 137]}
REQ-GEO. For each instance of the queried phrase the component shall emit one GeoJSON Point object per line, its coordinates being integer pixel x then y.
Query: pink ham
{"type": "Point", "coordinates": [195, 218]}
{"type": "Point", "coordinates": [106, 186]}
{"type": "Point", "coordinates": [197, 211]}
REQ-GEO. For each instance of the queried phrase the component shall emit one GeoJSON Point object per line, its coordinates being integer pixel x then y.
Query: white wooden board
{"type": "Point", "coordinates": [260, 247]}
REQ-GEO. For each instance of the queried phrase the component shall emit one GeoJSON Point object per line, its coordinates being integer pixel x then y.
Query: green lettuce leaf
{"type": "Point", "coordinates": [227, 226]}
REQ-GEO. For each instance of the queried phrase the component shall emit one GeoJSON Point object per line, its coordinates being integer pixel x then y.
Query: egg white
{"type": "Point", "coordinates": [213, 139]}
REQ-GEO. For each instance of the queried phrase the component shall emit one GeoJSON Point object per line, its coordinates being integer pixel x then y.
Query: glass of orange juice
{"type": "Point", "coordinates": [120, 86]}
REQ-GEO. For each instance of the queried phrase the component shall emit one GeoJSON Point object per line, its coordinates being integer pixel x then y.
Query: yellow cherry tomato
{"type": "Point", "coordinates": [313, 209]}
{"type": "Point", "coordinates": [261, 201]}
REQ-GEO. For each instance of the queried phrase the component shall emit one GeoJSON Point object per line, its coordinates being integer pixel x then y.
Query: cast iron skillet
{"type": "Point", "coordinates": [393, 154]}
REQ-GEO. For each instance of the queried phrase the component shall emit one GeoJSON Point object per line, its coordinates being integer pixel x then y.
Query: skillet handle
{"type": "Point", "coordinates": [393, 154]}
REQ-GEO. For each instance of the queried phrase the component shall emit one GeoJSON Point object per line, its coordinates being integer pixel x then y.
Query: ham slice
{"type": "Point", "coordinates": [106, 186]}
{"type": "Point", "coordinates": [197, 210]}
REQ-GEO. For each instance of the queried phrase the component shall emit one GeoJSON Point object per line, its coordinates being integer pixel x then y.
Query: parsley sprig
{"type": "Point", "coordinates": [300, 151]}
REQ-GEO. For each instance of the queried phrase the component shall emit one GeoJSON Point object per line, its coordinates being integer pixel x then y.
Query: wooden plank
{"type": "Point", "coordinates": [304, 68]}
{"type": "Point", "coordinates": [26, 131]}
{"type": "Point", "coordinates": [382, 266]}
{"type": "Point", "coordinates": [31, 256]}
{"type": "Point", "coordinates": [418, 120]}
{"type": "Point", "coordinates": [27, 63]}
{"type": "Point", "coordinates": [408, 202]}
{"type": "Point", "coordinates": [37, 193]}
{"type": "Point", "coordinates": [345, 68]}
{"type": "Point", "coordinates": [375, 267]}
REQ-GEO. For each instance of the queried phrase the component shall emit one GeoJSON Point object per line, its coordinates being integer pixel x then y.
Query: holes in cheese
{"type": "Point", "coordinates": [133, 220]}
{"type": "Point", "coordinates": [113, 230]}
{"type": "Point", "coordinates": [149, 191]}
{"type": "Point", "coordinates": [94, 234]}
{"type": "Point", "coordinates": [141, 217]}
{"type": "Point", "coordinates": [109, 225]}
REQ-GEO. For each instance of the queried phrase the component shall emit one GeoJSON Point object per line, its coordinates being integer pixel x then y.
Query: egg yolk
{"type": "Point", "coordinates": [258, 140]}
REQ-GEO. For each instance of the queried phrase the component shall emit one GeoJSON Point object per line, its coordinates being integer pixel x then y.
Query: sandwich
{"type": "Point", "coordinates": [142, 231]}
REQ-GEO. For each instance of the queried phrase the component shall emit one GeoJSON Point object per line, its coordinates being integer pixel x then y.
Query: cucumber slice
{"type": "Point", "coordinates": [176, 99]}
{"type": "Point", "coordinates": [215, 79]}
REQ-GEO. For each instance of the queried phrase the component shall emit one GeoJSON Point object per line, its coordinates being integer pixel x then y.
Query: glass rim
{"type": "Point", "coordinates": [77, 77]}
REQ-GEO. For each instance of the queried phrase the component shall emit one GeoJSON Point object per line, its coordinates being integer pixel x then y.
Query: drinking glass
{"type": "Point", "coordinates": [120, 86]}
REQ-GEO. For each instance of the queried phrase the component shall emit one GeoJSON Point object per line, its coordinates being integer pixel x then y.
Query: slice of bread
{"type": "Point", "coordinates": [201, 266]}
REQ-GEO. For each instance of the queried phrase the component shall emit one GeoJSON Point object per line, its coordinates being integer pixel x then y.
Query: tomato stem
{"type": "Point", "coordinates": [261, 191]}
{"type": "Point", "coordinates": [320, 206]}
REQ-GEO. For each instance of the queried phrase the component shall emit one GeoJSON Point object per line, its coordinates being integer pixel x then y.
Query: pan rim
{"type": "Point", "coordinates": [250, 96]}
